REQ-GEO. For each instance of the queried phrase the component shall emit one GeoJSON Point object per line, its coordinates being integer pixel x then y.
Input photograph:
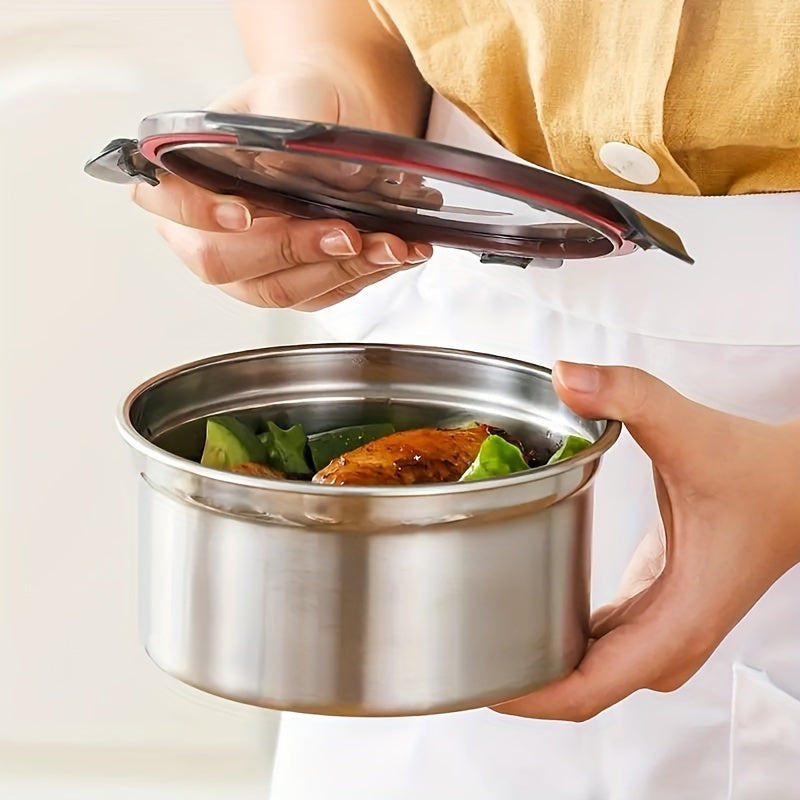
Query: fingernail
{"type": "Point", "coordinates": [577, 377]}
{"type": "Point", "coordinates": [337, 243]}
{"type": "Point", "coordinates": [392, 177]}
{"type": "Point", "coordinates": [416, 255]}
{"type": "Point", "coordinates": [350, 168]}
{"type": "Point", "coordinates": [233, 217]}
{"type": "Point", "coordinates": [381, 255]}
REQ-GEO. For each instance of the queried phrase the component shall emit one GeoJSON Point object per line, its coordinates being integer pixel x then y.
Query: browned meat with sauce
{"type": "Point", "coordinates": [423, 455]}
{"type": "Point", "coordinates": [258, 470]}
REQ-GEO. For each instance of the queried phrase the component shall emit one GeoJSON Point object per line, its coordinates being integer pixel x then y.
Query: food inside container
{"type": "Point", "coordinates": [376, 454]}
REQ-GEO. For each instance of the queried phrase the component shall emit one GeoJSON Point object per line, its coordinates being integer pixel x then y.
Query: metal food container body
{"type": "Point", "coordinates": [367, 601]}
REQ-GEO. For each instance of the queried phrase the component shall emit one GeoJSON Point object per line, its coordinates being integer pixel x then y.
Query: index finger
{"type": "Point", "coordinates": [179, 201]}
{"type": "Point", "coordinates": [610, 671]}
{"type": "Point", "coordinates": [640, 645]}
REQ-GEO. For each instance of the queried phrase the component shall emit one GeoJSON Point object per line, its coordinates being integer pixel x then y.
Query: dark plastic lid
{"type": "Point", "coordinates": [419, 190]}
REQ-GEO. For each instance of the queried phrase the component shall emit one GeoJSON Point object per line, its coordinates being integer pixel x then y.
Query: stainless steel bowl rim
{"type": "Point", "coordinates": [142, 445]}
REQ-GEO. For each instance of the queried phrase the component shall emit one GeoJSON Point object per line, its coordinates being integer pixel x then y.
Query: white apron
{"type": "Point", "coordinates": [725, 332]}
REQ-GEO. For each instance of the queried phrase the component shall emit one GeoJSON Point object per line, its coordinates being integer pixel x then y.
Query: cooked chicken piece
{"type": "Point", "coordinates": [258, 470]}
{"type": "Point", "coordinates": [424, 455]}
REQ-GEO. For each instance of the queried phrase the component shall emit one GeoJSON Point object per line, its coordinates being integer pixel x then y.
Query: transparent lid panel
{"type": "Point", "coordinates": [400, 193]}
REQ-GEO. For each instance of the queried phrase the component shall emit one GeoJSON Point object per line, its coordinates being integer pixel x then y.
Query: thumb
{"type": "Point", "coordinates": [665, 424]}
{"type": "Point", "coordinates": [304, 96]}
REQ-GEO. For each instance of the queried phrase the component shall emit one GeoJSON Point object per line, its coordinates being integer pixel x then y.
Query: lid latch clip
{"type": "Point", "coordinates": [121, 161]}
{"type": "Point", "coordinates": [520, 261]}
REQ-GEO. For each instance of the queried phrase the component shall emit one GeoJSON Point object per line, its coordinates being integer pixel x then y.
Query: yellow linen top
{"type": "Point", "coordinates": [710, 89]}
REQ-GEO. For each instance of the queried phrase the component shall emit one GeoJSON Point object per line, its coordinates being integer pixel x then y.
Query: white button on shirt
{"type": "Point", "coordinates": [629, 163]}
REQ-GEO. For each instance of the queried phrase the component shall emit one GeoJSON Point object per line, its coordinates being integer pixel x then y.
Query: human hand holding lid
{"type": "Point", "coordinates": [270, 259]}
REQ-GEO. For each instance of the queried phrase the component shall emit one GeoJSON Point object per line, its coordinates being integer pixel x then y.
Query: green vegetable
{"type": "Point", "coordinates": [496, 457]}
{"type": "Point", "coordinates": [326, 446]}
{"type": "Point", "coordinates": [286, 449]}
{"type": "Point", "coordinates": [230, 442]}
{"type": "Point", "coordinates": [569, 447]}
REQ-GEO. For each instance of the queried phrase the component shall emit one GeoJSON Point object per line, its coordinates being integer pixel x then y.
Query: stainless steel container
{"type": "Point", "coordinates": [361, 600]}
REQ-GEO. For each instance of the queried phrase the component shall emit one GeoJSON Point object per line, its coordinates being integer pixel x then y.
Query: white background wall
{"type": "Point", "coordinates": [91, 302]}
